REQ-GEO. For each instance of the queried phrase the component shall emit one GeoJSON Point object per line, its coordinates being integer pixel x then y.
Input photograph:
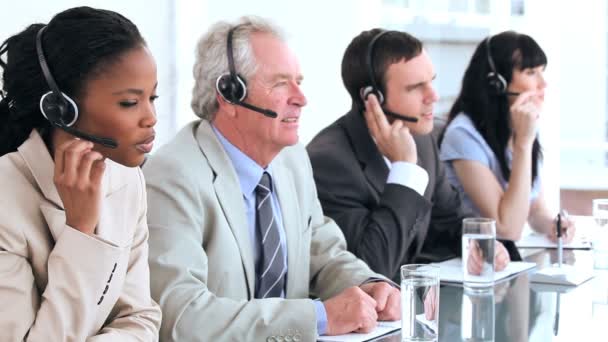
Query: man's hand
{"type": "Point", "coordinates": [388, 300]}
{"type": "Point", "coordinates": [501, 257]}
{"type": "Point", "coordinates": [393, 140]}
{"type": "Point", "coordinates": [431, 305]}
{"type": "Point", "coordinates": [351, 310]}
{"type": "Point", "coordinates": [475, 259]}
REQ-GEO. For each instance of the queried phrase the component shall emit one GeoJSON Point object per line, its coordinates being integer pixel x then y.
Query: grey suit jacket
{"type": "Point", "coordinates": [58, 284]}
{"type": "Point", "coordinates": [201, 258]}
{"type": "Point", "coordinates": [386, 225]}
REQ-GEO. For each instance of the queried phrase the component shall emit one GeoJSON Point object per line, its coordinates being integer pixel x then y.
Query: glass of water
{"type": "Point", "coordinates": [478, 242]}
{"type": "Point", "coordinates": [419, 302]}
{"type": "Point", "coordinates": [477, 314]}
{"type": "Point", "coordinates": [600, 241]}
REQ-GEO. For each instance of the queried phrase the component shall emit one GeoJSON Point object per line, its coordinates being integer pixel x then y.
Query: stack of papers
{"type": "Point", "coordinates": [536, 240]}
{"type": "Point", "coordinates": [382, 328]}
{"type": "Point", "coordinates": [451, 270]}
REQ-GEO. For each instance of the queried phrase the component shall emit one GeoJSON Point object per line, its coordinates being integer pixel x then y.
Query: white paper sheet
{"type": "Point", "coordinates": [382, 328]}
{"type": "Point", "coordinates": [451, 270]}
{"type": "Point", "coordinates": [536, 240]}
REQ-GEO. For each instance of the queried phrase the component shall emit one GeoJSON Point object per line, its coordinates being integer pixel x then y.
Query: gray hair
{"type": "Point", "coordinates": [212, 62]}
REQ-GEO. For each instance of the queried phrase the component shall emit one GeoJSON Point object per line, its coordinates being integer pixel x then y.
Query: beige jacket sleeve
{"type": "Point", "coordinates": [80, 268]}
{"type": "Point", "coordinates": [135, 315]}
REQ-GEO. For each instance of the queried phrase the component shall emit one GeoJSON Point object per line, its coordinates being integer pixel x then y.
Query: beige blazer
{"type": "Point", "coordinates": [201, 258]}
{"type": "Point", "coordinates": [58, 284]}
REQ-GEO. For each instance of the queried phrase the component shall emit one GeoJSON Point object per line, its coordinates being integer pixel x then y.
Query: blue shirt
{"type": "Point", "coordinates": [463, 141]}
{"type": "Point", "coordinates": [249, 174]}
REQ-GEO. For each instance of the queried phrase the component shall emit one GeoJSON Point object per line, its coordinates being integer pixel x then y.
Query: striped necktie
{"type": "Point", "coordinates": [271, 269]}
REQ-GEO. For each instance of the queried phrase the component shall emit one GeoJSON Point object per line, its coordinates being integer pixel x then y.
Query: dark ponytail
{"type": "Point", "coordinates": [79, 44]}
{"type": "Point", "coordinates": [22, 85]}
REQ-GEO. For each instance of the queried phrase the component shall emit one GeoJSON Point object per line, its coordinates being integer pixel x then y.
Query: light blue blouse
{"type": "Point", "coordinates": [462, 141]}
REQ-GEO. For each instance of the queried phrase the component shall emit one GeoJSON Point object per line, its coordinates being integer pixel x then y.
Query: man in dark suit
{"type": "Point", "coordinates": [377, 168]}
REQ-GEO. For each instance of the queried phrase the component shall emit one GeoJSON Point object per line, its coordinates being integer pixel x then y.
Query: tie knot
{"type": "Point", "coordinates": [264, 185]}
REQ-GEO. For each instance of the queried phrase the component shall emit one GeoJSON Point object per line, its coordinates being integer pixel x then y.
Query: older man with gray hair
{"type": "Point", "coordinates": [238, 239]}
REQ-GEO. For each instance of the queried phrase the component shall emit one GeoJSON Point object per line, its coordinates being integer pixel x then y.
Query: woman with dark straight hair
{"type": "Point", "coordinates": [490, 144]}
{"type": "Point", "coordinates": [76, 119]}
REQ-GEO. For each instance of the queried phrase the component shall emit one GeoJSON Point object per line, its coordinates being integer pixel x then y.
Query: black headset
{"type": "Point", "coordinates": [496, 82]}
{"type": "Point", "coordinates": [59, 108]}
{"type": "Point", "coordinates": [373, 88]}
{"type": "Point", "coordinates": [232, 87]}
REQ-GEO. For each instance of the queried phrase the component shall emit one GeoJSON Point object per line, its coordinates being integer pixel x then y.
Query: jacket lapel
{"type": "Point", "coordinates": [227, 190]}
{"type": "Point", "coordinates": [115, 226]}
{"type": "Point", "coordinates": [40, 163]}
{"type": "Point", "coordinates": [374, 167]}
{"type": "Point", "coordinates": [290, 213]}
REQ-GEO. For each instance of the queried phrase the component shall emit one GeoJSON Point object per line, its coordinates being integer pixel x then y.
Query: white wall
{"type": "Point", "coordinates": [154, 20]}
{"type": "Point", "coordinates": [574, 38]}
{"type": "Point", "coordinates": [318, 32]}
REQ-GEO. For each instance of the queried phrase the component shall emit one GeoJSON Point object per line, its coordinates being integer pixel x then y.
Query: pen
{"type": "Point", "coordinates": [556, 322]}
{"type": "Point", "coordinates": [560, 246]}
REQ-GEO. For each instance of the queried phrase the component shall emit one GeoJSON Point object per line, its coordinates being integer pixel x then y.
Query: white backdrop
{"type": "Point", "coordinates": [573, 37]}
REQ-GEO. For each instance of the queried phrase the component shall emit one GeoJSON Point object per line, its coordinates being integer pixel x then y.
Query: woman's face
{"type": "Point", "coordinates": [119, 104]}
{"type": "Point", "coordinates": [528, 79]}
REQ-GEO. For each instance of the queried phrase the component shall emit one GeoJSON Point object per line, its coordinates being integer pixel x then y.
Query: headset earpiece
{"type": "Point", "coordinates": [231, 89]}
{"type": "Point", "coordinates": [56, 109]}
{"type": "Point", "coordinates": [366, 91]}
{"type": "Point", "coordinates": [496, 82]}
{"type": "Point", "coordinates": [373, 87]}
{"type": "Point", "coordinates": [56, 106]}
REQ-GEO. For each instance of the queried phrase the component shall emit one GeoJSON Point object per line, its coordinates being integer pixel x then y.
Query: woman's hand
{"type": "Point", "coordinates": [568, 230]}
{"type": "Point", "coordinates": [78, 174]}
{"type": "Point", "coordinates": [525, 112]}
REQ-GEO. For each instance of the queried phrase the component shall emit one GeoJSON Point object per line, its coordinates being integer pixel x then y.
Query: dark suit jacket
{"type": "Point", "coordinates": [386, 225]}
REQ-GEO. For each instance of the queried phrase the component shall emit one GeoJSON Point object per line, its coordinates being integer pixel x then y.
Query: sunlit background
{"type": "Point", "coordinates": [573, 34]}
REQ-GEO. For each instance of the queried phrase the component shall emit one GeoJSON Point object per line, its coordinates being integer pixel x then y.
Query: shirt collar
{"type": "Point", "coordinates": [247, 170]}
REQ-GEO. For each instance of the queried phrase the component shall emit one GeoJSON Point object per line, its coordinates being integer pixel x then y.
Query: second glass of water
{"type": "Point", "coordinates": [478, 242]}
{"type": "Point", "coordinates": [419, 302]}
{"type": "Point", "coordinates": [477, 314]}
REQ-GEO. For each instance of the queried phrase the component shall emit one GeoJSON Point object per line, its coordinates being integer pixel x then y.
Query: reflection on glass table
{"type": "Point", "coordinates": [525, 311]}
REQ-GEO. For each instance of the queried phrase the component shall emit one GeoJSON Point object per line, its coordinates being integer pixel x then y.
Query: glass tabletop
{"type": "Point", "coordinates": [525, 311]}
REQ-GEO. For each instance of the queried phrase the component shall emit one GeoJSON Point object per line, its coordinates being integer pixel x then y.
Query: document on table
{"type": "Point", "coordinates": [382, 328]}
{"type": "Point", "coordinates": [535, 240]}
{"type": "Point", "coordinates": [450, 271]}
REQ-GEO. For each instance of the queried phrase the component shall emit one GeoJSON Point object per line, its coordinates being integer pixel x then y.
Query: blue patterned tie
{"type": "Point", "coordinates": [270, 279]}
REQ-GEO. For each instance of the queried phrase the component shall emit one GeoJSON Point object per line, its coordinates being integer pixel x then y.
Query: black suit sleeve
{"type": "Point", "coordinates": [379, 227]}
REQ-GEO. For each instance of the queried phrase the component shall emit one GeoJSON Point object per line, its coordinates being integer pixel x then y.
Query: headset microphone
{"type": "Point", "coordinates": [59, 108]}
{"type": "Point", "coordinates": [232, 87]}
{"type": "Point", "coordinates": [106, 142]}
{"type": "Point", "coordinates": [399, 116]}
{"type": "Point", "coordinates": [373, 87]}
{"type": "Point", "coordinates": [266, 112]}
